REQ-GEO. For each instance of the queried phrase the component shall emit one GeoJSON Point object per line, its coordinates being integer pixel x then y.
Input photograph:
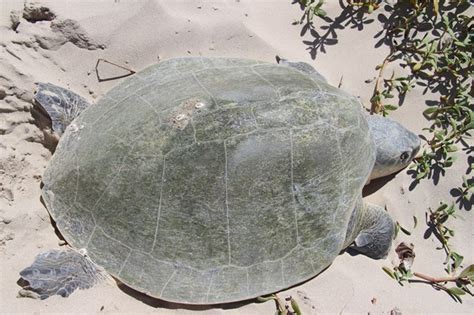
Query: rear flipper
{"type": "Point", "coordinates": [371, 231]}
{"type": "Point", "coordinates": [60, 272]}
{"type": "Point", "coordinates": [61, 105]}
{"type": "Point", "coordinates": [302, 67]}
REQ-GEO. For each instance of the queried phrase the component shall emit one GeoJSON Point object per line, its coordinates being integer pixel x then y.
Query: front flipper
{"type": "Point", "coordinates": [60, 272]}
{"type": "Point", "coordinates": [60, 104]}
{"type": "Point", "coordinates": [302, 67]}
{"type": "Point", "coordinates": [371, 229]}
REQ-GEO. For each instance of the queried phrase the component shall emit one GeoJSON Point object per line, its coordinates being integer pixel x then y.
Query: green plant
{"type": "Point", "coordinates": [436, 223]}
{"type": "Point", "coordinates": [431, 45]}
{"type": "Point", "coordinates": [311, 8]}
{"type": "Point", "coordinates": [464, 193]}
{"type": "Point", "coordinates": [399, 228]}
{"type": "Point", "coordinates": [403, 273]}
{"type": "Point", "coordinates": [462, 281]}
{"type": "Point", "coordinates": [282, 308]}
{"type": "Point", "coordinates": [432, 41]}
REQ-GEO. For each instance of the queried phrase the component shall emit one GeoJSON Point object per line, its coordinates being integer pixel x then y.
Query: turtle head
{"type": "Point", "coordinates": [395, 145]}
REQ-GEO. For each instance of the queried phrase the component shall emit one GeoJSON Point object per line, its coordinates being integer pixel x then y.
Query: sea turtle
{"type": "Point", "coordinates": [211, 180]}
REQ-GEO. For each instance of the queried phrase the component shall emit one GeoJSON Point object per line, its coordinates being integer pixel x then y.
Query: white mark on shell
{"type": "Point", "coordinates": [180, 117]}
{"type": "Point", "coordinates": [183, 114]}
{"type": "Point", "coordinates": [199, 105]}
{"type": "Point", "coordinates": [74, 127]}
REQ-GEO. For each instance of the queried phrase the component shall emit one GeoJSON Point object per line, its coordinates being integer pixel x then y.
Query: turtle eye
{"type": "Point", "coordinates": [404, 156]}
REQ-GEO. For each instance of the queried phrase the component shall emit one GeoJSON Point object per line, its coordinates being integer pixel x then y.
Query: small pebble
{"type": "Point", "coordinates": [395, 311]}
{"type": "Point", "coordinates": [6, 220]}
{"type": "Point", "coordinates": [9, 237]}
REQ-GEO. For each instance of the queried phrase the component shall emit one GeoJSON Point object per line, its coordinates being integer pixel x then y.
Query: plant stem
{"type": "Point", "coordinates": [444, 241]}
{"type": "Point", "coordinates": [434, 280]}
{"type": "Point", "coordinates": [375, 106]}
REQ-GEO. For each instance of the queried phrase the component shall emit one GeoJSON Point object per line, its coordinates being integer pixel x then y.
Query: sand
{"type": "Point", "coordinates": [62, 44]}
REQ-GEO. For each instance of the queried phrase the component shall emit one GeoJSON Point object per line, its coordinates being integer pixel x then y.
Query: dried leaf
{"type": "Point", "coordinates": [406, 254]}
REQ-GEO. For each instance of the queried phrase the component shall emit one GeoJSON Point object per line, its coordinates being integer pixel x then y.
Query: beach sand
{"type": "Point", "coordinates": [62, 43]}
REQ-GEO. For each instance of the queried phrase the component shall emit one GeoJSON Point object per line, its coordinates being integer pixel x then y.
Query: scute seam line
{"type": "Point", "coordinates": [227, 203]}
{"type": "Point", "coordinates": [292, 189]}
{"type": "Point", "coordinates": [275, 89]}
{"type": "Point", "coordinates": [167, 282]}
{"type": "Point", "coordinates": [159, 206]}
{"type": "Point", "coordinates": [203, 87]}
{"type": "Point", "coordinates": [122, 164]}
